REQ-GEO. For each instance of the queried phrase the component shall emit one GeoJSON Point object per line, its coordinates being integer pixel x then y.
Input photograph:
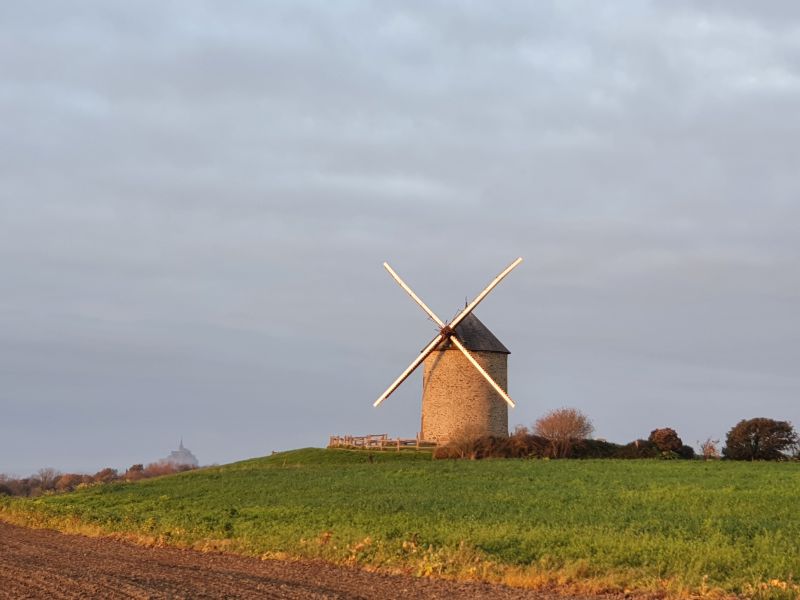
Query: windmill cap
{"type": "Point", "coordinates": [476, 337]}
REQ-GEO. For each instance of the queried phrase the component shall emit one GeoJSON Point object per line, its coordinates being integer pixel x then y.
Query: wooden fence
{"type": "Point", "coordinates": [379, 441]}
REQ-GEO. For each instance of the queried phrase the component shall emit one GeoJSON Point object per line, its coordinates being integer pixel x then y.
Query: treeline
{"type": "Point", "coordinates": [524, 444]}
{"type": "Point", "coordinates": [564, 433]}
{"type": "Point", "coordinates": [51, 481]}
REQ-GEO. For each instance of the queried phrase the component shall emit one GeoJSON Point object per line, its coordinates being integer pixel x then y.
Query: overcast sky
{"type": "Point", "coordinates": [196, 199]}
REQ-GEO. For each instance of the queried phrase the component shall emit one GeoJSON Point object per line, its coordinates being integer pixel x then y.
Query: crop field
{"type": "Point", "coordinates": [675, 528]}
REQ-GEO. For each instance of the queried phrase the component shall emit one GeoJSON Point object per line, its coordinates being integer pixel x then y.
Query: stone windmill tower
{"type": "Point", "coordinates": [464, 389]}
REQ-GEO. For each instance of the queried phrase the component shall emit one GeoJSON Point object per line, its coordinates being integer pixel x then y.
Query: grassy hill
{"type": "Point", "coordinates": [675, 526]}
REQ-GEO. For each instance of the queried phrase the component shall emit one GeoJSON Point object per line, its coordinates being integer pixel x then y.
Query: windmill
{"type": "Point", "coordinates": [465, 378]}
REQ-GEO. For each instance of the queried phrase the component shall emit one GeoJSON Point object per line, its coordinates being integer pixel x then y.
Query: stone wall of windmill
{"type": "Point", "coordinates": [457, 401]}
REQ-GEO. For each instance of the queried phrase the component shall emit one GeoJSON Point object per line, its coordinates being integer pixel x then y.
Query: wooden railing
{"type": "Point", "coordinates": [379, 441]}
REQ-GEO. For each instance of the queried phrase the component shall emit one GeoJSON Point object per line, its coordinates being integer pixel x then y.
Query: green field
{"type": "Point", "coordinates": [678, 526]}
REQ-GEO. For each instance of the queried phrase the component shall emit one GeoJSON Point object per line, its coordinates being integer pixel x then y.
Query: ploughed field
{"type": "Point", "coordinates": [36, 563]}
{"type": "Point", "coordinates": [585, 526]}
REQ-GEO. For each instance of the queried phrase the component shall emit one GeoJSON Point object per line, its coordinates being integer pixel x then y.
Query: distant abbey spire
{"type": "Point", "coordinates": [181, 456]}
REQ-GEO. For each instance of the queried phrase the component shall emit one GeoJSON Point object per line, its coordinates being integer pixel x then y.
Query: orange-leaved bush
{"type": "Point", "coordinates": [562, 428]}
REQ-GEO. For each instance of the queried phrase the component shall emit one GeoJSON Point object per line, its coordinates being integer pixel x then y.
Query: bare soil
{"type": "Point", "coordinates": [37, 563]}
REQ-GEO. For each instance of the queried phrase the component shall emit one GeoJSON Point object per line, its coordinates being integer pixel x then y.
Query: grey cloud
{"type": "Point", "coordinates": [196, 199]}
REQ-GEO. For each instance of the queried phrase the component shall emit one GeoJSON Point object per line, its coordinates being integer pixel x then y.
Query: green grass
{"type": "Point", "coordinates": [675, 526]}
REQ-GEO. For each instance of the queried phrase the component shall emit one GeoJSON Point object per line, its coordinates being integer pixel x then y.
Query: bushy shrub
{"type": "Point", "coordinates": [445, 451]}
{"type": "Point", "coordinates": [135, 472]}
{"type": "Point", "coordinates": [106, 475]}
{"type": "Point", "coordinates": [666, 439]}
{"type": "Point", "coordinates": [639, 449]}
{"type": "Point", "coordinates": [490, 446]}
{"type": "Point", "coordinates": [529, 446]}
{"type": "Point", "coordinates": [48, 480]}
{"type": "Point", "coordinates": [594, 449]}
{"type": "Point", "coordinates": [69, 482]}
{"type": "Point", "coordinates": [462, 445]}
{"type": "Point", "coordinates": [521, 444]}
{"type": "Point", "coordinates": [158, 469]}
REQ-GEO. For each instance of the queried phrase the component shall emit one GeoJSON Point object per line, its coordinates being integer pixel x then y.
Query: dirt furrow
{"type": "Point", "coordinates": [37, 563]}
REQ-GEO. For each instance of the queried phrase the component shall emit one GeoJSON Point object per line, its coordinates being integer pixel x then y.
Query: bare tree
{"type": "Point", "coordinates": [562, 427]}
{"type": "Point", "coordinates": [48, 477]}
{"type": "Point", "coordinates": [710, 449]}
{"type": "Point", "coordinates": [5, 490]}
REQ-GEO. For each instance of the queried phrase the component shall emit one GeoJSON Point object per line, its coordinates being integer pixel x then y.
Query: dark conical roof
{"type": "Point", "coordinates": [476, 337]}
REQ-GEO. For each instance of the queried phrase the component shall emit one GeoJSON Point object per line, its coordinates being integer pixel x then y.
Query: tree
{"type": "Point", "coordinates": [68, 482]}
{"type": "Point", "coordinates": [666, 439]}
{"type": "Point", "coordinates": [562, 427]}
{"type": "Point", "coordinates": [709, 449]}
{"type": "Point", "coordinates": [135, 472]}
{"type": "Point", "coordinates": [106, 475]}
{"type": "Point", "coordinates": [760, 439]}
{"type": "Point", "coordinates": [48, 477]}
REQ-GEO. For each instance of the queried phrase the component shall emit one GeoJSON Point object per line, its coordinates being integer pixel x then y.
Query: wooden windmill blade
{"type": "Point", "coordinates": [427, 350]}
{"type": "Point", "coordinates": [479, 298]}
{"type": "Point", "coordinates": [457, 343]}
{"type": "Point", "coordinates": [414, 297]}
{"type": "Point", "coordinates": [411, 368]}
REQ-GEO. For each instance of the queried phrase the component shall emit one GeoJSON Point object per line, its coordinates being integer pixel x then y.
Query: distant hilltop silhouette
{"type": "Point", "coordinates": [181, 456]}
